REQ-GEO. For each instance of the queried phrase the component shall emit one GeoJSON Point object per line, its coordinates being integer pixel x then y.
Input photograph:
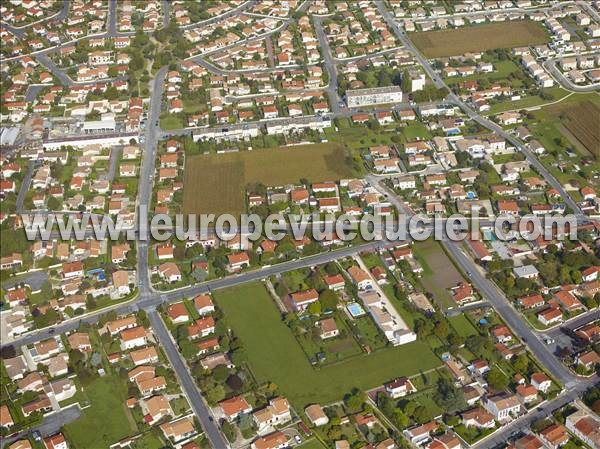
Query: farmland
{"type": "Point", "coordinates": [437, 44]}
{"type": "Point", "coordinates": [580, 123]}
{"type": "Point", "coordinates": [216, 183]}
{"type": "Point", "coordinates": [274, 354]}
{"type": "Point", "coordinates": [439, 274]}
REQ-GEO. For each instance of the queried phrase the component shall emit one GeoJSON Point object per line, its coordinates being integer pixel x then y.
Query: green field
{"type": "Point", "coordinates": [106, 420]}
{"type": "Point", "coordinates": [216, 183]}
{"type": "Point", "coordinates": [437, 44]}
{"type": "Point", "coordinates": [439, 273]}
{"type": "Point", "coordinates": [275, 355]}
{"type": "Point", "coordinates": [462, 325]}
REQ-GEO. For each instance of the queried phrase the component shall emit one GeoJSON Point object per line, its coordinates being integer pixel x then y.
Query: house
{"type": "Point", "coordinates": [301, 300]}
{"type": "Point", "coordinates": [531, 301]}
{"type": "Point", "coordinates": [567, 301]}
{"type": "Point", "coordinates": [590, 274]}
{"type": "Point", "coordinates": [588, 360]}
{"type": "Point", "coordinates": [72, 269]}
{"type": "Point", "coordinates": [204, 304]}
{"type": "Point", "coordinates": [360, 277]}
{"type": "Point", "coordinates": [447, 440]}
{"type": "Point", "coordinates": [316, 415]}
{"type": "Point", "coordinates": [541, 382]}
{"type": "Point", "coordinates": [550, 316]}
{"type": "Point", "coordinates": [116, 326]}
{"type": "Point", "coordinates": [275, 440]}
{"type": "Point", "coordinates": [233, 407]}
{"type": "Point", "coordinates": [419, 434]}
{"type": "Point", "coordinates": [462, 293]}
{"type": "Point", "coordinates": [155, 408]}
{"type": "Point", "coordinates": [238, 261]}
{"type": "Point", "coordinates": [502, 406]}
{"type": "Point", "coordinates": [80, 341]}
{"type": "Point", "coordinates": [526, 271]}
{"type": "Point", "coordinates": [178, 430]}
{"type": "Point", "coordinates": [201, 328]}
{"type": "Point", "coordinates": [508, 118]}
{"type": "Point", "coordinates": [56, 441]}
{"type": "Point", "coordinates": [144, 356]}
{"type": "Point", "coordinates": [555, 436]}
{"type": "Point", "coordinates": [527, 393]}
{"type": "Point", "coordinates": [501, 333]}
{"type": "Point", "coordinates": [478, 417]}
{"type": "Point", "coordinates": [148, 386]}
{"type": "Point", "coordinates": [134, 337]}
{"type": "Point", "coordinates": [6, 419]}
{"type": "Point", "coordinates": [528, 441]}
{"type": "Point", "coordinates": [327, 328]}
{"type": "Point", "coordinates": [399, 387]}
{"type": "Point", "coordinates": [169, 272]}
{"type": "Point", "coordinates": [178, 313]}
{"type": "Point", "coordinates": [584, 426]}
{"type": "Point", "coordinates": [335, 282]}
{"type": "Point", "coordinates": [274, 414]}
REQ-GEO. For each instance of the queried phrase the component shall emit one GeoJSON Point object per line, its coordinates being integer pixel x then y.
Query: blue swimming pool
{"type": "Point", "coordinates": [355, 309]}
{"type": "Point", "coordinates": [490, 235]}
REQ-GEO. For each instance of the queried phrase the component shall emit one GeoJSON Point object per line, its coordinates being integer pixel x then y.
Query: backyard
{"type": "Point", "coordinates": [216, 183]}
{"type": "Point", "coordinates": [275, 355]}
{"type": "Point", "coordinates": [439, 273]}
{"type": "Point", "coordinates": [107, 397]}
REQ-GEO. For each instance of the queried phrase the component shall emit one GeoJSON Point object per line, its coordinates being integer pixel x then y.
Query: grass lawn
{"type": "Point", "coordinates": [274, 354]}
{"type": "Point", "coordinates": [528, 101]}
{"type": "Point", "coordinates": [168, 122]}
{"type": "Point", "coordinates": [437, 44]}
{"type": "Point", "coordinates": [439, 273]}
{"type": "Point", "coordinates": [462, 326]}
{"type": "Point", "coordinates": [105, 422]}
{"type": "Point", "coordinates": [311, 444]}
{"type": "Point", "coordinates": [216, 183]}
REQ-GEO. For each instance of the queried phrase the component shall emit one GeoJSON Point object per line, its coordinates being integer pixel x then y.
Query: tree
{"type": "Point", "coordinates": [315, 308]}
{"type": "Point", "coordinates": [497, 379]}
{"type": "Point", "coordinates": [328, 300]}
{"type": "Point", "coordinates": [229, 431]}
{"type": "Point", "coordinates": [406, 82]}
{"type": "Point", "coordinates": [220, 373]}
{"type": "Point", "coordinates": [521, 363]}
{"type": "Point", "coordinates": [215, 394]}
{"type": "Point", "coordinates": [448, 396]}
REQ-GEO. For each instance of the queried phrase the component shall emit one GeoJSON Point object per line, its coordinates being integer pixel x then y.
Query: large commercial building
{"type": "Point", "coordinates": [375, 95]}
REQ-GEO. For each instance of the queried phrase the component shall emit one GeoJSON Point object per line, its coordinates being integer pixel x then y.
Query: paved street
{"type": "Point", "coordinates": [332, 89]}
{"type": "Point", "coordinates": [51, 424]}
{"type": "Point", "coordinates": [25, 186]}
{"type": "Point", "coordinates": [186, 382]}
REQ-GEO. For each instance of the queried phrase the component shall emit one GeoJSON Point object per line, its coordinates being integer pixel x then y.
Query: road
{"type": "Point", "coordinates": [509, 314]}
{"type": "Point", "coordinates": [50, 425]}
{"type": "Point", "coordinates": [147, 172]}
{"type": "Point", "coordinates": [522, 424]}
{"type": "Point", "coordinates": [472, 114]}
{"type": "Point", "coordinates": [329, 62]}
{"type": "Point", "coordinates": [25, 187]}
{"type": "Point", "coordinates": [550, 65]}
{"type": "Point", "coordinates": [186, 381]}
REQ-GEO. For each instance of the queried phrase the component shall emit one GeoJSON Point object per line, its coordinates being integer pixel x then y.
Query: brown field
{"type": "Point", "coordinates": [437, 44]}
{"type": "Point", "coordinates": [216, 183]}
{"type": "Point", "coordinates": [581, 121]}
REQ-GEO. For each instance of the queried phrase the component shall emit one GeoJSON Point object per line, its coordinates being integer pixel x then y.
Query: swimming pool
{"type": "Point", "coordinates": [490, 235]}
{"type": "Point", "coordinates": [355, 309]}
